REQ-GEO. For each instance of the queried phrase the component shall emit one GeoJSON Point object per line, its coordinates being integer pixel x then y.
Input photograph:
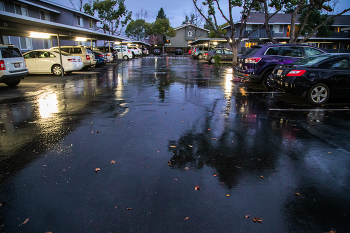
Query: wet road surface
{"type": "Point", "coordinates": [169, 145]}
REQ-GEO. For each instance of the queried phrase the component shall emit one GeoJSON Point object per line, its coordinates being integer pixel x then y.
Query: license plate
{"type": "Point", "coordinates": [279, 72]}
{"type": "Point", "coordinates": [17, 65]}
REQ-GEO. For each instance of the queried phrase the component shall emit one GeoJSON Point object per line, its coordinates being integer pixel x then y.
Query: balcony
{"type": "Point", "coordinates": [339, 35]}
{"type": "Point", "coordinates": [261, 33]}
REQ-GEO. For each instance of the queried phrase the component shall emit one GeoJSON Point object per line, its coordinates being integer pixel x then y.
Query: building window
{"type": "Point", "coordinates": [2, 6]}
{"type": "Point", "coordinates": [6, 39]}
{"type": "Point", "coordinates": [26, 43]}
{"type": "Point", "coordinates": [248, 27]}
{"type": "Point", "coordinates": [250, 44]}
{"type": "Point", "coordinates": [278, 28]}
{"type": "Point", "coordinates": [190, 33]}
{"type": "Point", "coordinates": [91, 24]}
{"type": "Point", "coordinates": [47, 43]}
{"type": "Point", "coordinates": [80, 21]}
{"type": "Point", "coordinates": [21, 9]}
{"type": "Point", "coordinates": [44, 15]}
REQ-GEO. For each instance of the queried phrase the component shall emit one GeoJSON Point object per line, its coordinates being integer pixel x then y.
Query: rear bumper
{"type": "Point", "coordinates": [13, 77]}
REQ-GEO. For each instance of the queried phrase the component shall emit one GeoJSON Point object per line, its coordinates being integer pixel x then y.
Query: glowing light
{"type": "Point", "coordinates": [215, 43]}
{"type": "Point", "coordinates": [116, 42]}
{"type": "Point", "coordinates": [80, 39]}
{"type": "Point", "coordinates": [39, 35]}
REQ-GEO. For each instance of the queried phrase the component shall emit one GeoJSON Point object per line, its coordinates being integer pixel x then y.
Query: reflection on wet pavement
{"type": "Point", "coordinates": [170, 125]}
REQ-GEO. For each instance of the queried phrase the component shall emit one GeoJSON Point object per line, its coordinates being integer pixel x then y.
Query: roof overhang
{"type": "Point", "coordinates": [19, 25]}
{"type": "Point", "coordinates": [207, 40]}
{"type": "Point", "coordinates": [134, 42]}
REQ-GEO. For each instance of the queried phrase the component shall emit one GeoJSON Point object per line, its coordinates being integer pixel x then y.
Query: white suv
{"type": "Point", "coordinates": [87, 56]}
{"type": "Point", "coordinates": [12, 65]}
{"type": "Point", "coordinates": [123, 52]}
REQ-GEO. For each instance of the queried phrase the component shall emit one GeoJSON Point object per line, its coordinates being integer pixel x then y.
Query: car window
{"type": "Point", "coordinates": [251, 51]}
{"type": "Point", "coordinates": [219, 51]}
{"type": "Point", "coordinates": [289, 51]}
{"type": "Point", "coordinates": [309, 61]}
{"type": "Point", "coordinates": [228, 51]}
{"type": "Point", "coordinates": [77, 50]}
{"type": "Point", "coordinates": [311, 51]}
{"type": "Point", "coordinates": [10, 52]}
{"type": "Point", "coordinates": [272, 51]}
{"type": "Point", "coordinates": [65, 50]}
{"type": "Point", "coordinates": [88, 51]}
{"type": "Point", "coordinates": [342, 64]}
{"type": "Point", "coordinates": [29, 55]}
{"type": "Point", "coordinates": [45, 54]}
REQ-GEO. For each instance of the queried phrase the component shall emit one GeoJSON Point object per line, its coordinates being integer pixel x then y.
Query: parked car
{"type": "Point", "coordinates": [156, 52]}
{"type": "Point", "coordinates": [178, 52]}
{"type": "Point", "coordinates": [123, 53]}
{"type": "Point", "coordinates": [86, 55]}
{"type": "Point", "coordinates": [108, 50]}
{"type": "Point", "coordinates": [316, 77]}
{"type": "Point", "coordinates": [145, 52]}
{"type": "Point", "coordinates": [257, 63]}
{"type": "Point", "coordinates": [199, 53]}
{"type": "Point", "coordinates": [225, 54]}
{"type": "Point", "coordinates": [12, 65]}
{"type": "Point", "coordinates": [133, 50]}
{"type": "Point", "coordinates": [101, 58]}
{"type": "Point", "coordinates": [48, 61]}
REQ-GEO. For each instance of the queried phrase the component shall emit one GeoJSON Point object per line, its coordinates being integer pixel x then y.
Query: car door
{"type": "Point", "coordinates": [338, 75]}
{"type": "Point", "coordinates": [221, 53]}
{"type": "Point", "coordinates": [288, 54]}
{"type": "Point", "coordinates": [30, 59]}
{"type": "Point", "coordinates": [228, 55]}
{"type": "Point", "coordinates": [44, 61]}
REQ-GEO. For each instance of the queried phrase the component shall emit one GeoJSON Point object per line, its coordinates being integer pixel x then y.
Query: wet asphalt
{"type": "Point", "coordinates": [169, 144]}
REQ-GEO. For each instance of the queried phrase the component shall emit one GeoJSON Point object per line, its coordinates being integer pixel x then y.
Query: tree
{"type": "Point", "coordinates": [162, 27]}
{"type": "Point", "coordinates": [138, 29]}
{"type": "Point", "coordinates": [161, 14]}
{"type": "Point", "coordinates": [246, 5]}
{"type": "Point", "coordinates": [80, 4]}
{"type": "Point", "coordinates": [111, 18]}
{"type": "Point", "coordinates": [316, 18]}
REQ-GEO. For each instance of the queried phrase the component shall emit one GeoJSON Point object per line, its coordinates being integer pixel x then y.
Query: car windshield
{"type": "Point", "coordinates": [62, 52]}
{"type": "Point", "coordinates": [309, 61]}
{"type": "Point", "coordinates": [251, 51]}
{"type": "Point", "coordinates": [10, 52]}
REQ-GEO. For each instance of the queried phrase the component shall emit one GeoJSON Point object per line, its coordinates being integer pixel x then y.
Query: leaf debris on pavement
{"type": "Point", "coordinates": [186, 218]}
{"type": "Point", "coordinates": [97, 169]}
{"type": "Point", "coordinates": [297, 194]}
{"type": "Point", "coordinates": [113, 162]}
{"type": "Point", "coordinates": [197, 188]}
{"type": "Point", "coordinates": [25, 221]}
{"type": "Point", "coordinates": [256, 219]}
{"type": "Point", "coordinates": [246, 216]}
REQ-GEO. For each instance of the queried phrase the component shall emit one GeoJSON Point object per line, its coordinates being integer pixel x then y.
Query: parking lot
{"type": "Point", "coordinates": [169, 144]}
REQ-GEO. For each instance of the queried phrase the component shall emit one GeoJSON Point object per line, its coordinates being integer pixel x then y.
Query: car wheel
{"type": "Point", "coordinates": [318, 94]}
{"type": "Point", "coordinates": [212, 60]}
{"type": "Point", "coordinates": [267, 80]}
{"type": "Point", "coordinates": [200, 56]}
{"type": "Point", "coordinates": [13, 84]}
{"type": "Point", "coordinates": [56, 70]}
{"type": "Point", "coordinates": [125, 57]}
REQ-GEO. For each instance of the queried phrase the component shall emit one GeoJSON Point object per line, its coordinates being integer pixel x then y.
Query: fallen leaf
{"type": "Point", "coordinates": [97, 169]}
{"type": "Point", "coordinates": [128, 208]}
{"type": "Point", "coordinates": [97, 131]}
{"type": "Point", "coordinates": [208, 129]}
{"type": "Point", "coordinates": [113, 162]}
{"type": "Point", "coordinates": [197, 188]}
{"type": "Point", "coordinates": [228, 195]}
{"type": "Point", "coordinates": [257, 219]}
{"type": "Point", "coordinates": [238, 167]}
{"type": "Point", "coordinates": [214, 139]}
{"type": "Point", "coordinates": [172, 146]}
{"type": "Point", "coordinates": [169, 163]}
{"type": "Point", "coordinates": [261, 177]}
{"type": "Point", "coordinates": [176, 179]}
{"type": "Point", "coordinates": [190, 145]}
{"type": "Point", "coordinates": [187, 168]}
{"type": "Point", "coordinates": [25, 221]}
{"type": "Point", "coordinates": [215, 175]}
{"type": "Point", "coordinates": [183, 109]}
{"type": "Point", "coordinates": [186, 218]}
{"type": "Point", "coordinates": [297, 194]}
{"type": "Point", "coordinates": [246, 216]}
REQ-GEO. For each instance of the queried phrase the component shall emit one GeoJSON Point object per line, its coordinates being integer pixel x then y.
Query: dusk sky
{"type": "Point", "coordinates": [175, 9]}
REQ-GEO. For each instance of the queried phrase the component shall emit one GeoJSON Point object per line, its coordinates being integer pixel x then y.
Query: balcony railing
{"type": "Point", "coordinates": [339, 35]}
{"type": "Point", "coordinates": [261, 33]}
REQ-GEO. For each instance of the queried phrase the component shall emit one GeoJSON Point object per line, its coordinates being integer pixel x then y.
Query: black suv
{"type": "Point", "coordinates": [258, 62]}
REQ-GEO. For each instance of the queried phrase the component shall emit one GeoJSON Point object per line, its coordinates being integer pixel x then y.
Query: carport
{"type": "Point", "coordinates": [12, 24]}
{"type": "Point", "coordinates": [141, 44]}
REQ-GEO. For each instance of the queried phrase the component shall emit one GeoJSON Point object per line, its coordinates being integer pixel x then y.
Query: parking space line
{"type": "Point", "coordinates": [308, 109]}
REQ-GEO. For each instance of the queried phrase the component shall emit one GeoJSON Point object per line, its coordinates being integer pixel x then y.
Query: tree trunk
{"type": "Point", "coordinates": [234, 48]}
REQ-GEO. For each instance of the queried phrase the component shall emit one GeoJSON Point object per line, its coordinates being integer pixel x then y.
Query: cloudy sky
{"type": "Point", "coordinates": [175, 9]}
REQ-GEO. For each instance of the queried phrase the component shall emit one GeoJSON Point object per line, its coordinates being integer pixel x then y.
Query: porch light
{"type": "Point", "coordinates": [116, 42]}
{"type": "Point", "coordinates": [39, 35]}
{"type": "Point", "coordinates": [215, 43]}
{"type": "Point", "coordinates": [80, 39]}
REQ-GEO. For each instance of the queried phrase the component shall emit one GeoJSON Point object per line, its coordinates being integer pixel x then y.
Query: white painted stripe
{"type": "Point", "coordinates": [311, 109]}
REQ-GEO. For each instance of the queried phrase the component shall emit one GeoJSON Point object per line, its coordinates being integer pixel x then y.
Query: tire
{"type": "Point", "coordinates": [266, 80]}
{"type": "Point", "coordinates": [200, 56]}
{"type": "Point", "coordinates": [125, 58]}
{"type": "Point", "coordinates": [212, 60]}
{"type": "Point", "coordinates": [318, 94]}
{"type": "Point", "coordinates": [13, 84]}
{"type": "Point", "coordinates": [56, 70]}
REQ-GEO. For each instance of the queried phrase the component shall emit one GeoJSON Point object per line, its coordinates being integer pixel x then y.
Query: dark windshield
{"type": "Point", "coordinates": [309, 61]}
{"type": "Point", "coordinates": [10, 52]}
{"type": "Point", "coordinates": [251, 51]}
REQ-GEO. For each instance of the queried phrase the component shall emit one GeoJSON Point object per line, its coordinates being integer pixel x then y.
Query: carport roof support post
{"type": "Point", "coordinates": [59, 49]}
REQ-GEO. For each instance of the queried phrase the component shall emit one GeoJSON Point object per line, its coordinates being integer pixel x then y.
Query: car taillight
{"type": "Point", "coordinates": [206, 54]}
{"type": "Point", "coordinates": [87, 57]}
{"type": "Point", "coordinates": [2, 65]}
{"type": "Point", "coordinates": [296, 73]}
{"type": "Point", "coordinates": [100, 55]}
{"type": "Point", "coordinates": [72, 60]}
{"type": "Point", "coordinates": [128, 51]}
{"type": "Point", "coordinates": [253, 60]}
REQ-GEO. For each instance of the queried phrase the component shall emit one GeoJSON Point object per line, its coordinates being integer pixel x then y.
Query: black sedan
{"type": "Point", "coordinates": [178, 52]}
{"type": "Point", "coordinates": [225, 54]}
{"type": "Point", "coordinates": [316, 78]}
{"type": "Point", "coordinates": [156, 52]}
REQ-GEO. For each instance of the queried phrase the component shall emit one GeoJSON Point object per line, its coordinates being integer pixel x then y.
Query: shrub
{"type": "Point", "coordinates": [217, 60]}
